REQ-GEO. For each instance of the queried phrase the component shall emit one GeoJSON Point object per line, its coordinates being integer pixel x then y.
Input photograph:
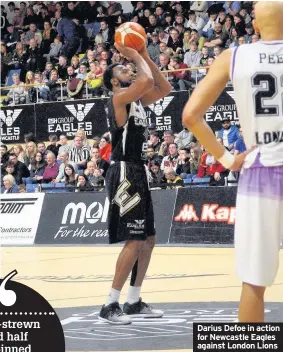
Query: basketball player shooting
{"type": "Point", "coordinates": [256, 71]}
{"type": "Point", "coordinates": [131, 217]}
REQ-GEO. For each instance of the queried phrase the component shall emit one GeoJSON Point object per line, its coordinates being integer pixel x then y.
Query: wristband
{"type": "Point", "coordinates": [227, 159]}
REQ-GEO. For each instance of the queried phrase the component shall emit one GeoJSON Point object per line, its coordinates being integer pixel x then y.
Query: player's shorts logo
{"type": "Point", "coordinates": [137, 224]}
{"type": "Point", "coordinates": [122, 198]}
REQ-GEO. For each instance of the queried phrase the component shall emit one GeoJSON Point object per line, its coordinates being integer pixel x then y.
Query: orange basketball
{"type": "Point", "coordinates": [132, 35]}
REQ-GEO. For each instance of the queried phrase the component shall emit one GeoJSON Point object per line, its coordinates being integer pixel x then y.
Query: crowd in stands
{"type": "Point", "coordinates": [76, 165]}
{"type": "Point", "coordinates": [173, 160]}
{"type": "Point", "coordinates": [48, 42]}
{"type": "Point", "coordinates": [52, 42]}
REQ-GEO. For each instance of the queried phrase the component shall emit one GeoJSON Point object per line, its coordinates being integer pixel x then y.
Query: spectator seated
{"type": "Point", "coordinates": [10, 81]}
{"type": "Point", "coordinates": [10, 185]}
{"type": "Point", "coordinates": [17, 94]}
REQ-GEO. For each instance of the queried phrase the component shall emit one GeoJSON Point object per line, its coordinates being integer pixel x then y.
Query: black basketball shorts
{"type": "Point", "coordinates": [130, 211]}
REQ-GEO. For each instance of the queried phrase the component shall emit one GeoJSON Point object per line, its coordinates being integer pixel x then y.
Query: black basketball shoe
{"type": "Point", "coordinates": [113, 314]}
{"type": "Point", "coordinates": [142, 310]}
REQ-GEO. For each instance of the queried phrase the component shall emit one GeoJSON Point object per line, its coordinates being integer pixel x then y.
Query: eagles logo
{"type": "Point", "coordinates": [160, 106]}
{"type": "Point", "coordinates": [231, 93]}
{"type": "Point", "coordinates": [10, 118]}
{"type": "Point", "coordinates": [81, 113]}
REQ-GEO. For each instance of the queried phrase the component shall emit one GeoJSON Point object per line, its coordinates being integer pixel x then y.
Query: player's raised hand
{"type": "Point", "coordinates": [129, 53]}
{"type": "Point", "coordinates": [144, 53]}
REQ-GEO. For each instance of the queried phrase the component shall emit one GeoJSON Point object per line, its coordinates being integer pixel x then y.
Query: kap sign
{"type": "Point", "coordinates": [204, 215]}
{"type": "Point", "coordinates": [209, 213]}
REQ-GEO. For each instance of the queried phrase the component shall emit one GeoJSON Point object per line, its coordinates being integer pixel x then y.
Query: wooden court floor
{"type": "Point", "coordinates": [81, 276]}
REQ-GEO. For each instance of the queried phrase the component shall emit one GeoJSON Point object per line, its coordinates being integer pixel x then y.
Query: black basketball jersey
{"type": "Point", "coordinates": [129, 143]}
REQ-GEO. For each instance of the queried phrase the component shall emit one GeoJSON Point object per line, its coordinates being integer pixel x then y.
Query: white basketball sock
{"type": "Point", "coordinates": [114, 296]}
{"type": "Point", "coordinates": [133, 294]}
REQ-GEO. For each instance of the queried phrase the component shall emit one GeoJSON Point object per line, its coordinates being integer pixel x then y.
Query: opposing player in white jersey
{"type": "Point", "coordinates": [256, 71]}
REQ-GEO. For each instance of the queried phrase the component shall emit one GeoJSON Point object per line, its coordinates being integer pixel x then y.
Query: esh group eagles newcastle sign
{"type": "Point", "coordinates": [53, 118]}
{"type": "Point", "coordinates": [224, 107]}
{"type": "Point", "coordinates": [15, 122]}
{"type": "Point", "coordinates": [68, 117]}
{"type": "Point", "coordinates": [166, 113]}
{"type": "Point", "coordinates": [91, 115]}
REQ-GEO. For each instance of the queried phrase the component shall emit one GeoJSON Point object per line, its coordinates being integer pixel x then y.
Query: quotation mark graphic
{"type": "Point", "coordinates": [7, 297]}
